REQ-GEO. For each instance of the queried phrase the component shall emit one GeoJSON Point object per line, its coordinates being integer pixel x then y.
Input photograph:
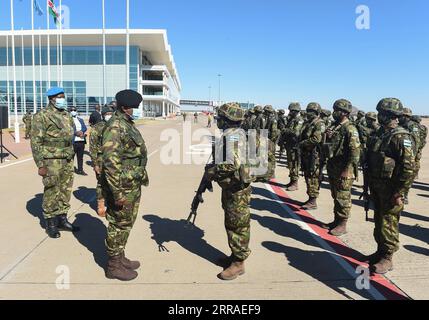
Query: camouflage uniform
{"type": "Point", "coordinates": [311, 138]}
{"type": "Point", "coordinates": [366, 129]}
{"type": "Point", "coordinates": [423, 133]}
{"type": "Point", "coordinates": [342, 150]}
{"type": "Point", "coordinates": [259, 120]}
{"type": "Point", "coordinates": [281, 125]}
{"type": "Point", "coordinates": [124, 159]}
{"type": "Point", "coordinates": [390, 161]}
{"type": "Point", "coordinates": [51, 143]}
{"type": "Point", "coordinates": [273, 136]}
{"type": "Point", "coordinates": [27, 118]}
{"type": "Point", "coordinates": [233, 176]}
{"type": "Point", "coordinates": [291, 135]}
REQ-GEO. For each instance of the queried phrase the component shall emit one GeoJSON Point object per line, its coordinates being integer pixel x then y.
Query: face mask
{"type": "Point", "coordinates": [311, 116]}
{"type": "Point", "coordinates": [384, 119]}
{"type": "Point", "coordinates": [73, 113]}
{"type": "Point", "coordinates": [61, 103]}
{"type": "Point", "coordinates": [107, 118]}
{"type": "Point", "coordinates": [336, 115]}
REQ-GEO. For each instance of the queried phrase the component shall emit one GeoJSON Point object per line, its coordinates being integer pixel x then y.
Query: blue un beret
{"type": "Point", "coordinates": [54, 91]}
{"type": "Point", "coordinates": [128, 98]}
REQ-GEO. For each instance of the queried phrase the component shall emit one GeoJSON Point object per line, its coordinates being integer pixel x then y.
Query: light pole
{"type": "Point", "coordinates": [219, 76]}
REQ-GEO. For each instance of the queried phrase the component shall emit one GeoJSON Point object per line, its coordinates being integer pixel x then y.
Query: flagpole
{"type": "Point", "coordinates": [33, 58]}
{"type": "Point", "coordinates": [61, 42]}
{"type": "Point", "coordinates": [7, 79]}
{"type": "Point", "coordinates": [104, 54]}
{"type": "Point", "coordinates": [49, 45]}
{"type": "Point", "coordinates": [58, 56]}
{"type": "Point", "coordinates": [40, 70]}
{"type": "Point", "coordinates": [127, 53]}
{"type": "Point", "coordinates": [17, 137]}
{"type": "Point", "coordinates": [23, 87]}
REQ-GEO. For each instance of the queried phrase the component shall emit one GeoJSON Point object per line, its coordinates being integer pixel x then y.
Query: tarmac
{"type": "Point", "coordinates": [292, 258]}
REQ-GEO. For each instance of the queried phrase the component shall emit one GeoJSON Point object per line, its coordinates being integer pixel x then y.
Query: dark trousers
{"type": "Point", "coordinates": [79, 148]}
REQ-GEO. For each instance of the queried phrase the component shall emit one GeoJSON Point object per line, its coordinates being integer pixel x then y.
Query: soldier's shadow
{"type": "Point", "coordinates": [92, 235]}
{"type": "Point", "coordinates": [191, 238]}
{"type": "Point", "coordinates": [87, 195]}
{"type": "Point", "coordinates": [34, 207]}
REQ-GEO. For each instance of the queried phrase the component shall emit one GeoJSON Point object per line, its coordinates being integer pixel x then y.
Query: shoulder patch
{"type": "Point", "coordinates": [407, 143]}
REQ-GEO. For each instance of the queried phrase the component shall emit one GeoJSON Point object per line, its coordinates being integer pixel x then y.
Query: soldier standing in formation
{"type": "Point", "coordinates": [291, 134]}
{"type": "Point", "coordinates": [259, 121]}
{"type": "Point", "coordinates": [423, 131]}
{"type": "Point", "coordinates": [270, 124]}
{"type": "Point", "coordinates": [311, 138]}
{"type": "Point", "coordinates": [233, 177]}
{"type": "Point", "coordinates": [27, 118]}
{"type": "Point", "coordinates": [341, 150]}
{"type": "Point", "coordinates": [281, 125]}
{"type": "Point", "coordinates": [124, 159]}
{"type": "Point", "coordinates": [366, 129]}
{"type": "Point", "coordinates": [51, 143]}
{"type": "Point", "coordinates": [391, 161]}
{"type": "Point", "coordinates": [95, 144]}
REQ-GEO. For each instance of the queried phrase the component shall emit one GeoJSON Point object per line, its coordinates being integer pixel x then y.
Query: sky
{"type": "Point", "coordinates": [278, 51]}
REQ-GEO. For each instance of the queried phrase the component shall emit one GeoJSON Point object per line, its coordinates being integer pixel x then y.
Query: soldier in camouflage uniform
{"type": "Point", "coordinates": [423, 131]}
{"type": "Point", "coordinates": [95, 143]}
{"type": "Point", "coordinates": [413, 128]}
{"type": "Point", "coordinates": [390, 160]}
{"type": "Point", "coordinates": [311, 138]}
{"type": "Point", "coordinates": [124, 159]}
{"type": "Point", "coordinates": [341, 150]}
{"type": "Point", "coordinates": [366, 129]}
{"type": "Point", "coordinates": [270, 124]}
{"type": "Point", "coordinates": [281, 125]}
{"type": "Point", "coordinates": [51, 143]}
{"type": "Point", "coordinates": [233, 176]}
{"type": "Point", "coordinates": [291, 135]}
{"type": "Point", "coordinates": [248, 117]}
{"type": "Point", "coordinates": [27, 118]}
{"type": "Point", "coordinates": [360, 119]}
{"type": "Point", "coordinates": [325, 115]}
{"type": "Point", "coordinates": [259, 120]}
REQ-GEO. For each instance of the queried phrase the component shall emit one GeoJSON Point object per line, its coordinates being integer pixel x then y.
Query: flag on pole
{"type": "Point", "coordinates": [37, 8]}
{"type": "Point", "coordinates": [54, 12]}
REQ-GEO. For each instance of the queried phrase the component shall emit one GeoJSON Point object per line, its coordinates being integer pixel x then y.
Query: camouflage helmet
{"type": "Point", "coordinates": [371, 116]}
{"type": "Point", "coordinates": [269, 109]}
{"type": "Point", "coordinates": [314, 106]}
{"type": "Point", "coordinates": [325, 113]}
{"type": "Point", "coordinates": [258, 109]}
{"type": "Point", "coordinates": [343, 105]}
{"type": "Point", "coordinates": [391, 105]}
{"type": "Point", "coordinates": [281, 112]}
{"type": "Point", "coordinates": [417, 119]}
{"type": "Point", "coordinates": [252, 111]}
{"type": "Point", "coordinates": [361, 114]}
{"type": "Point", "coordinates": [407, 112]}
{"type": "Point", "coordinates": [294, 106]}
{"type": "Point", "coordinates": [107, 108]}
{"type": "Point", "coordinates": [232, 111]}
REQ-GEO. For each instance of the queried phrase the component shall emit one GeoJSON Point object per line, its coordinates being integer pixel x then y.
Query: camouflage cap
{"type": "Point", "coordinates": [407, 112]}
{"type": "Point", "coordinates": [232, 111]}
{"type": "Point", "coordinates": [107, 108]}
{"type": "Point", "coordinates": [417, 119]}
{"type": "Point", "coordinates": [294, 106]}
{"type": "Point", "coordinates": [314, 106]}
{"type": "Point", "coordinates": [392, 105]}
{"type": "Point", "coordinates": [258, 109]}
{"type": "Point", "coordinates": [343, 105]}
{"type": "Point", "coordinates": [371, 116]}
{"type": "Point", "coordinates": [269, 109]}
{"type": "Point", "coordinates": [325, 113]}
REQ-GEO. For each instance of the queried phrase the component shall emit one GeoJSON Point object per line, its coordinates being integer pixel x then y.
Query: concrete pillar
{"type": "Point", "coordinates": [163, 109]}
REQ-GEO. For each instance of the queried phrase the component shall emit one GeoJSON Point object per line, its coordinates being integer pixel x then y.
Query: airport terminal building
{"type": "Point", "coordinates": [77, 64]}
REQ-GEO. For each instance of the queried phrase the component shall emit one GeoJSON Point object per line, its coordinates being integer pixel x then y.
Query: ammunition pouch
{"type": "Point", "coordinates": [381, 167]}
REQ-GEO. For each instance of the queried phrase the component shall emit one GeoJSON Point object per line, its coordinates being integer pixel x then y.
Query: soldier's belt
{"type": "Point", "coordinates": [57, 144]}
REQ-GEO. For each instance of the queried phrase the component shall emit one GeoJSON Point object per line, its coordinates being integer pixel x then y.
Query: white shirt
{"type": "Point", "coordinates": [78, 128]}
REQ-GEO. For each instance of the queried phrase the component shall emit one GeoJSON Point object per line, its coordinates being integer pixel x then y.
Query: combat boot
{"type": "Point", "coordinates": [233, 271]}
{"type": "Point", "coordinates": [384, 264]}
{"type": "Point", "coordinates": [51, 228]}
{"type": "Point", "coordinates": [129, 264]}
{"type": "Point", "coordinates": [372, 258]}
{"type": "Point", "coordinates": [293, 186]}
{"type": "Point", "coordinates": [65, 225]}
{"type": "Point", "coordinates": [331, 225]}
{"type": "Point", "coordinates": [101, 208]}
{"type": "Point", "coordinates": [116, 270]}
{"type": "Point", "coordinates": [311, 204]}
{"type": "Point", "coordinates": [225, 261]}
{"type": "Point", "coordinates": [340, 229]}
